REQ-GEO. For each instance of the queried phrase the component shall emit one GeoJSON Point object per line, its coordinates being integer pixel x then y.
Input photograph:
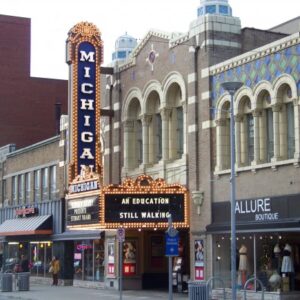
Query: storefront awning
{"type": "Point", "coordinates": [39, 225]}
{"type": "Point", "coordinates": [78, 235]}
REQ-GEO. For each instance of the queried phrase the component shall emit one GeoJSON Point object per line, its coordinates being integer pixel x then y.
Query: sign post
{"type": "Point", "coordinates": [121, 239]}
{"type": "Point", "coordinates": [171, 250]}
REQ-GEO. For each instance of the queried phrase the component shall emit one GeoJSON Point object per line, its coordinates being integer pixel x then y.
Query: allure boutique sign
{"type": "Point", "coordinates": [259, 209]}
{"type": "Point", "coordinates": [258, 212]}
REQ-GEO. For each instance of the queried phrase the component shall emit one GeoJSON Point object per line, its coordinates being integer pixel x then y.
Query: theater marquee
{"type": "Point", "coordinates": [145, 203]}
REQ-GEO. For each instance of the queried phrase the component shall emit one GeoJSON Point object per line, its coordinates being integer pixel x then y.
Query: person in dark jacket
{"type": "Point", "coordinates": [24, 263]}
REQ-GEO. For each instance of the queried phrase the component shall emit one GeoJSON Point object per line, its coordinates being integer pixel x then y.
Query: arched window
{"type": "Point", "coordinates": [179, 131]}
{"type": "Point", "coordinates": [269, 134]}
{"type": "Point", "coordinates": [244, 123]}
{"type": "Point", "coordinates": [139, 141]}
{"type": "Point", "coordinates": [158, 137]}
{"type": "Point", "coordinates": [155, 127]}
{"type": "Point", "coordinates": [265, 128]}
{"type": "Point", "coordinates": [176, 122]}
{"type": "Point", "coordinates": [133, 142]}
{"type": "Point", "coordinates": [250, 138]}
{"type": "Point", "coordinates": [223, 136]}
{"type": "Point", "coordinates": [286, 123]}
{"type": "Point", "coordinates": [290, 130]}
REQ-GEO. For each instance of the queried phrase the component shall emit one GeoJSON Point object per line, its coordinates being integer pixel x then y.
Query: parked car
{"type": "Point", "coordinates": [10, 264]}
{"type": "Point", "coordinates": [38, 267]}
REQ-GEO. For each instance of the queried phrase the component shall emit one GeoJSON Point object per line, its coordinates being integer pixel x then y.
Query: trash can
{"type": "Point", "coordinates": [198, 290]}
{"type": "Point", "coordinates": [23, 281]}
{"type": "Point", "coordinates": [6, 282]}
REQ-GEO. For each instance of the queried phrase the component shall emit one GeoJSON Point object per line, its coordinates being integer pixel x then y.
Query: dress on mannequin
{"type": "Point", "coordinates": [243, 258]}
{"type": "Point", "coordinates": [287, 263]}
{"type": "Point", "coordinates": [243, 264]}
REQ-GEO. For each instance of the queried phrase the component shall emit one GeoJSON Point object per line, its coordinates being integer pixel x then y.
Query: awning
{"type": "Point", "coordinates": [78, 235]}
{"type": "Point", "coordinates": [27, 226]}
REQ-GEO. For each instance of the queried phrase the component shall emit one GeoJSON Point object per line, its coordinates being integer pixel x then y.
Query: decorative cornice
{"type": "Point", "coordinates": [144, 183]}
{"type": "Point", "coordinates": [131, 60]}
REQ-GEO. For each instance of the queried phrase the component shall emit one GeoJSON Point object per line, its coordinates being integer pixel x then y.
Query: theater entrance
{"type": "Point", "coordinates": [145, 265]}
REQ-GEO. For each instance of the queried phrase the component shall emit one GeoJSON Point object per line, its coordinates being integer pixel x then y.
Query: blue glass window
{"type": "Point", "coordinates": [210, 9]}
{"type": "Point", "coordinates": [121, 54]}
{"type": "Point", "coordinates": [200, 11]}
{"type": "Point", "coordinates": [223, 9]}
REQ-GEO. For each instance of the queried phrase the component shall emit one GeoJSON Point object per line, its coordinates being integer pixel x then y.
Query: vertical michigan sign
{"type": "Point", "coordinates": [84, 55]}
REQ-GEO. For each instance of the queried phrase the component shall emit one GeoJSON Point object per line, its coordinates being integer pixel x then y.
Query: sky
{"type": "Point", "coordinates": [52, 19]}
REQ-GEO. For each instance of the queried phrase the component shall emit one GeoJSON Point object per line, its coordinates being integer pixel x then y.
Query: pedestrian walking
{"type": "Point", "coordinates": [54, 269]}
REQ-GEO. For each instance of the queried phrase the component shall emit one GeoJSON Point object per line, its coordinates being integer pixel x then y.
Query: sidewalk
{"type": "Point", "coordinates": [43, 292]}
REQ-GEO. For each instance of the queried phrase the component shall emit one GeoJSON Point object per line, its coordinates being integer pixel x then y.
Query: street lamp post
{"type": "Point", "coordinates": [231, 88]}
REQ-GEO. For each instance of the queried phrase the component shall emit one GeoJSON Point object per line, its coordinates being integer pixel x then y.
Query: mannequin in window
{"type": "Point", "coordinates": [243, 264]}
{"type": "Point", "coordinates": [287, 266]}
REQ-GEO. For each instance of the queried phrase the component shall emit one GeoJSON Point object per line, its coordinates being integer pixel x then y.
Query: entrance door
{"type": "Point", "coordinates": [155, 262]}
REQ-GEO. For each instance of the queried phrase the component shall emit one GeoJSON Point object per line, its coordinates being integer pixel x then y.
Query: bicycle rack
{"type": "Point", "coordinates": [212, 279]}
{"type": "Point", "coordinates": [254, 279]}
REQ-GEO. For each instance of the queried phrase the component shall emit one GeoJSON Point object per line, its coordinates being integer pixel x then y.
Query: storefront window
{"type": "Point", "coordinates": [40, 257]}
{"type": "Point", "coordinates": [99, 260]}
{"type": "Point", "coordinates": [273, 258]}
{"type": "Point", "coordinates": [27, 187]}
{"type": "Point", "coordinates": [37, 185]}
{"type": "Point", "coordinates": [38, 253]}
{"type": "Point", "coordinates": [12, 257]}
{"type": "Point", "coordinates": [89, 260]}
{"type": "Point", "coordinates": [45, 184]}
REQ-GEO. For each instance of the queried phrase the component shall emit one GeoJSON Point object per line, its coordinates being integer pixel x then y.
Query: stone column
{"type": "Point", "coordinates": [220, 128]}
{"type": "Point", "coordinates": [165, 117]}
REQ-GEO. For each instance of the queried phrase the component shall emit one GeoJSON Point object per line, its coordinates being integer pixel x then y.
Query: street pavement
{"type": "Point", "coordinates": [44, 292]}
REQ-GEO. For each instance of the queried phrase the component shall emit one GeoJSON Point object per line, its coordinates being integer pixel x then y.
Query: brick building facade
{"type": "Point", "coordinates": [27, 103]}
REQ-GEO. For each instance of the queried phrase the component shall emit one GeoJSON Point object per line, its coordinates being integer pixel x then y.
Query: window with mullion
{"type": "Point", "coordinates": [139, 144]}
{"type": "Point", "coordinates": [45, 184]}
{"type": "Point", "coordinates": [158, 137]}
{"type": "Point", "coordinates": [179, 131]}
{"type": "Point", "coordinates": [250, 138]}
{"type": "Point", "coordinates": [27, 187]}
{"type": "Point", "coordinates": [53, 191]}
{"type": "Point", "coordinates": [21, 188]}
{"type": "Point", "coordinates": [37, 185]}
{"type": "Point", "coordinates": [290, 130]}
{"type": "Point", "coordinates": [270, 134]}
{"type": "Point", "coordinates": [15, 190]}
